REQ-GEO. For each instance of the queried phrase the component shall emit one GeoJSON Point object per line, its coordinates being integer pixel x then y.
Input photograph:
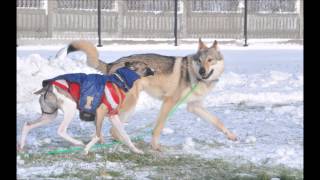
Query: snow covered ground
{"type": "Point", "coordinates": [259, 97]}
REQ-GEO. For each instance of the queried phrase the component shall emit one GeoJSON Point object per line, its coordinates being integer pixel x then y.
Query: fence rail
{"type": "Point", "coordinates": [67, 19]}
{"type": "Point", "coordinates": [30, 3]}
{"type": "Point", "coordinates": [86, 4]}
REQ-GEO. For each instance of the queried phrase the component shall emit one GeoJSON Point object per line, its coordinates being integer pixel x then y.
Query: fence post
{"type": "Point", "coordinates": [121, 5]}
{"type": "Point", "coordinates": [245, 22]}
{"type": "Point", "coordinates": [301, 19]}
{"type": "Point", "coordinates": [184, 22]}
{"type": "Point", "coordinates": [99, 23]}
{"type": "Point", "coordinates": [175, 22]}
{"type": "Point", "coordinates": [52, 6]}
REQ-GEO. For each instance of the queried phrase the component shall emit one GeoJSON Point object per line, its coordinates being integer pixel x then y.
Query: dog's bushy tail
{"type": "Point", "coordinates": [92, 54]}
{"type": "Point", "coordinates": [41, 91]}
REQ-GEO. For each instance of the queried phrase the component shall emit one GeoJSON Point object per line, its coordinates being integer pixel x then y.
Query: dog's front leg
{"type": "Point", "coordinates": [100, 113]}
{"type": "Point", "coordinates": [198, 109]}
{"type": "Point", "coordinates": [101, 139]}
{"type": "Point", "coordinates": [165, 109]}
{"type": "Point", "coordinates": [42, 120]}
{"type": "Point", "coordinates": [118, 126]}
{"type": "Point", "coordinates": [69, 108]}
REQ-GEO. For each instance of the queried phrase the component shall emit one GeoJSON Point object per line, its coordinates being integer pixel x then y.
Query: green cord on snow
{"type": "Point", "coordinates": [99, 146]}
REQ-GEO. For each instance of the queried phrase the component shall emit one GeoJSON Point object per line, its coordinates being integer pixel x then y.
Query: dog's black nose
{"type": "Point", "coordinates": [149, 72]}
{"type": "Point", "coordinates": [202, 71]}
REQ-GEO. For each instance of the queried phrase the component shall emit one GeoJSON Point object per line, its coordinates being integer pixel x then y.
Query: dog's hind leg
{"type": "Point", "coordinates": [69, 108]}
{"type": "Point", "coordinates": [126, 111]}
{"type": "Point", "coordinates": [123, 118]}
{"type": "Point", "coordinates": [129, 105]}
{"type": "Point", "coordinates": [165, 109]}
{"type": "Point", "coordinates": [42, 120]}
{"type": "Point", "coordinates": [118, 125]}
{"type": "Point", "coordinates": [198, 109]}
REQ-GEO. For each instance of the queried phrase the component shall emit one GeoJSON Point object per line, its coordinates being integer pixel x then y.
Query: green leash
{"type": "Point", "coordinates": [137, 138]}
{"type": "Point", "coordinates": [174, 109]}
{"type": "Point", "coordinates": [96, 146]}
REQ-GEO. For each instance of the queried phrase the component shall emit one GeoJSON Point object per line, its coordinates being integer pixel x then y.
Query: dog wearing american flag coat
{"type": "Point", "coordinates": [65, 94]}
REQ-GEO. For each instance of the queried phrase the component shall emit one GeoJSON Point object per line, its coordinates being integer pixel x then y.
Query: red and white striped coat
{"type": "Point", "coordinates": [112, 98]}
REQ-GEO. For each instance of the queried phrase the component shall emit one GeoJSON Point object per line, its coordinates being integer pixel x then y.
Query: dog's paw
{"type": "Point", "coordinates": [138, 151]}
{"type": "Point", "coordinates": [101, 141]}
{"type": "Point", "coordinates": [85, 152]}
{"type": "Point", "coordinates": [232, 136]}
{"type": "Point", "coordinates": [79, 143]}
{"type": "Point", "coordinates": [156, 147]}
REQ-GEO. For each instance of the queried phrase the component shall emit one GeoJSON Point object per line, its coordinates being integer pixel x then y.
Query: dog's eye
{"type": "Point", "coordinates": [209, 60]}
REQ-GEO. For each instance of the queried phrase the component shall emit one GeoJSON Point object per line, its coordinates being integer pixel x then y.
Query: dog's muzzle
{"type": "Point", "coordinates": [202, 71]}
{"type": "Point", "coordinates": [149, 72]}
{"type": "Point", "coordinates": [207, 76]}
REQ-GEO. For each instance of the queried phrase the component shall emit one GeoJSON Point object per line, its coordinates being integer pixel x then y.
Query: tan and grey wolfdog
{"type": "Point", "coordinates": [173, 78]}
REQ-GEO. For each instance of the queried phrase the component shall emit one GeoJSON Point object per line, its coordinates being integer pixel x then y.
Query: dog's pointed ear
{"type": "Point", "coordinates": [215, 44]}
{"type": "Point", "coordinates": [201, 45]}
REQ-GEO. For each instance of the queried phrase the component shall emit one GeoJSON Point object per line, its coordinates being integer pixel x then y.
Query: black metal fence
{"type": "Point", "coordinates": [153, 19]}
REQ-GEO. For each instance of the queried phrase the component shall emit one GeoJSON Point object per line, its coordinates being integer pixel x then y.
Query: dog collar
{"type": "Point", "coordinates": [121, 79]}
{"type": "Point", "coordinates": [216, 80]}
{"type": "Point", "coordinates": [199, 80]}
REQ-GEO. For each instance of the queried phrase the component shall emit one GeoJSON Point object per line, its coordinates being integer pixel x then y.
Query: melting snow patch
{"type": "Point", "coordinates": [251, 139]}
{"type": "Point", "coordinates": [268, 108]}
{"type": "Point", "coordinates": [227, 111]}
{"type": "Point", "coordinates": [284, 154]}
{"type": "Point", "coordinates": [189, 145]}
{"type": "Point", "coordinates": [20, 161]}
{"type": "Point", "coordinates": [284, 110]}
{"type": "Point", "coordinates": [232, 78]}
{"type": "Point", "coordinates": [114, 165]}
{"type": "Point", "coordinates": [279, 76]}
{"type": "Point", "coordinates": [40, 171]}
{"type": "Point", "coordinates": [46, 141]}
{"type": "Point", "coordinates": [166, 131]}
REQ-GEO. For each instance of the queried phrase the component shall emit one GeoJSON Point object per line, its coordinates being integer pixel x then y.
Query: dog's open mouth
{"type": "Point", "coordinates": [207, 76]}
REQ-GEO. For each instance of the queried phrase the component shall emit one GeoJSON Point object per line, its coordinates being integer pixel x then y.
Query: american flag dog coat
{"type": "Point", "coordinates": [112, 98]}
{"type": "Point", "coordinates": [90, 90]}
